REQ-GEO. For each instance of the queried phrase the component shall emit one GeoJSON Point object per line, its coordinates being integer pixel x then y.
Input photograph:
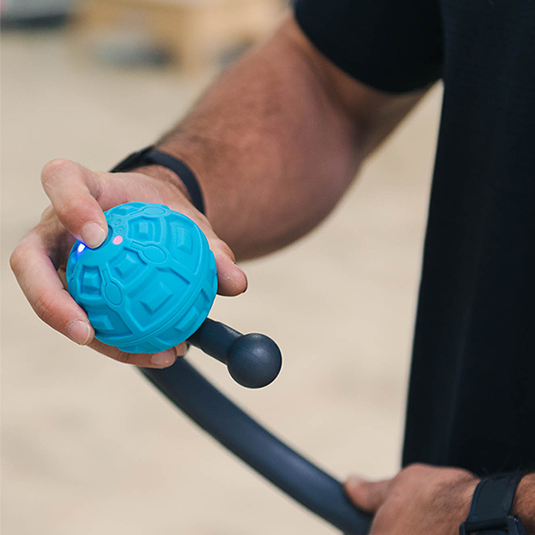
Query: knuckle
{"type": "Point", "coordinates": [125, 358]}
{"type": "Point", "coordinates": [222, 246]}
{"type": "Point", "coordinates": [73, 207]}
{"type": "Point", "coordinates": [19, 257]}
{"type": "Point", "coordinates": [45, 309]}
{"type": "Point", "coordinates": [15, 260]}
{"type": "Point", "coordinates": [47, 212]}
{"type": "Point", "coordinates": [52, 167]}
{"type": "Point", "coordinates": [414, 470]}
{"type": "Point", "coordinates": [71, 210]}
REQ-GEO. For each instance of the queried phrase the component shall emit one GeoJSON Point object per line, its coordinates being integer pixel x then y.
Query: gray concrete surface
{"type": "Point", "coordinates": [88, 447]}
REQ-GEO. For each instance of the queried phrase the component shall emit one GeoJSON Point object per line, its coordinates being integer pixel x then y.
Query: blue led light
{"type": "Point", "coordinates": [81, 247]}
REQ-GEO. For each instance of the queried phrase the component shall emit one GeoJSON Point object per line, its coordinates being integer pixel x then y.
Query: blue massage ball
{"type": "Point", "coordinates": [151, 284]}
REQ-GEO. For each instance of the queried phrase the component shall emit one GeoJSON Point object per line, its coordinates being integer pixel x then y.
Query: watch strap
{"type": "Point", "coordinates": [490, 511]}
{"type": "Point", "coordinates": [152, 156]}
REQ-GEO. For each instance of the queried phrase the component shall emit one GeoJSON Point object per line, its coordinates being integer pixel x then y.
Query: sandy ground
{"type": "Point", "coordinates": [90, 448]}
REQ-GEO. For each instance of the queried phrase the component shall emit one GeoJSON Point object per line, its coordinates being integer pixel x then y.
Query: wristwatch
{"type": "Point", "coordinates": [152, 156]}
{"type": "Point", "coordinates": [490, 512]}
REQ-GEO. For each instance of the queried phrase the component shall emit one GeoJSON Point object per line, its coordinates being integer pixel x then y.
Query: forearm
{"type": "Point", "coordinates": [524, 505]}
{"type": "Point", "coordinates": [270, 149]}
{"type": "Point", "coordinates": [276, 141]}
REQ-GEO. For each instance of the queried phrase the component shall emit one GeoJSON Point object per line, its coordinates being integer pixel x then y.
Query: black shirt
{"type": "Point", "coordinates": [472, 390]}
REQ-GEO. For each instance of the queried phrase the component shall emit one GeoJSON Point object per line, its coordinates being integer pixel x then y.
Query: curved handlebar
{"type": "Point", "coordinates": [234, 429]}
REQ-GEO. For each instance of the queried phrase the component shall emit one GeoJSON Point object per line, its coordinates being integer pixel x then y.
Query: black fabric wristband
{"type": "Point", "coordinates": [490, 511]}
{"type": "Point", "coordinates": [152, 156]}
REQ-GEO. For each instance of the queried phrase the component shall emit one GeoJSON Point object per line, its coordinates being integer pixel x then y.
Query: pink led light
{"type": "Point", "coordinates": [117, 240]}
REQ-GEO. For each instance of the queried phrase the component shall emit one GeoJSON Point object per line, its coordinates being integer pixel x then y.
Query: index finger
{"type": "Point", "coordinates": [74, 192]}
{"type": "Point", "coordinates": [41, 285]}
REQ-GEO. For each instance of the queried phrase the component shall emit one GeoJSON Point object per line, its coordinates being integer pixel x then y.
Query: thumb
{"type": "Point", "coordinates": [367, 495]}
{"type": "Point", "coordinates": [74, 192]}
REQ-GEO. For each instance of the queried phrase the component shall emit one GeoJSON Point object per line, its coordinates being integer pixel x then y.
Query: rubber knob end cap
{"type": "Point", "coordinates": [254, 360]}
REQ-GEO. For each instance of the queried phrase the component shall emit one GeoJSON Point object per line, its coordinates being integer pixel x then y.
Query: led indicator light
{"type": "Point", "coordinates": [117, 240]}
{"type": "Point", "coordinates": [81, 247]}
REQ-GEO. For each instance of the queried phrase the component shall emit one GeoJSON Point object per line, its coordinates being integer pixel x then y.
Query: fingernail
{"type": "Point", "coordinates": [245, 276]}
{"type": "Point", "coordinates": [79, 331]}
{"type": "Point", "coordinates": [162, 360]}
{"type": "Point", "coordinates": [93, 234]}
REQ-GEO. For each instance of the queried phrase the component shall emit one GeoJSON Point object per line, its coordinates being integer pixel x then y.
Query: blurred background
{"type": "Point", "coordinates": [88, 447]}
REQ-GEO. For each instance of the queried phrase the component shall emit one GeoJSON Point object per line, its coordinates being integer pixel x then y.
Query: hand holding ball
{"type": "Point", "coordinates": [151, 284]}
{"type": "Point", "coordinates": [150, 287]}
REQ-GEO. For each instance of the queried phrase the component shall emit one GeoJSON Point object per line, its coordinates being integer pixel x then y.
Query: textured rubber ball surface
{"type": "Point", "coordinates": [151, 284]}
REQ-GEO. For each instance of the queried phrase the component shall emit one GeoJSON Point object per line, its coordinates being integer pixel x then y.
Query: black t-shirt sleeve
{"type": "Point", "coordinates": [391, 45]}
